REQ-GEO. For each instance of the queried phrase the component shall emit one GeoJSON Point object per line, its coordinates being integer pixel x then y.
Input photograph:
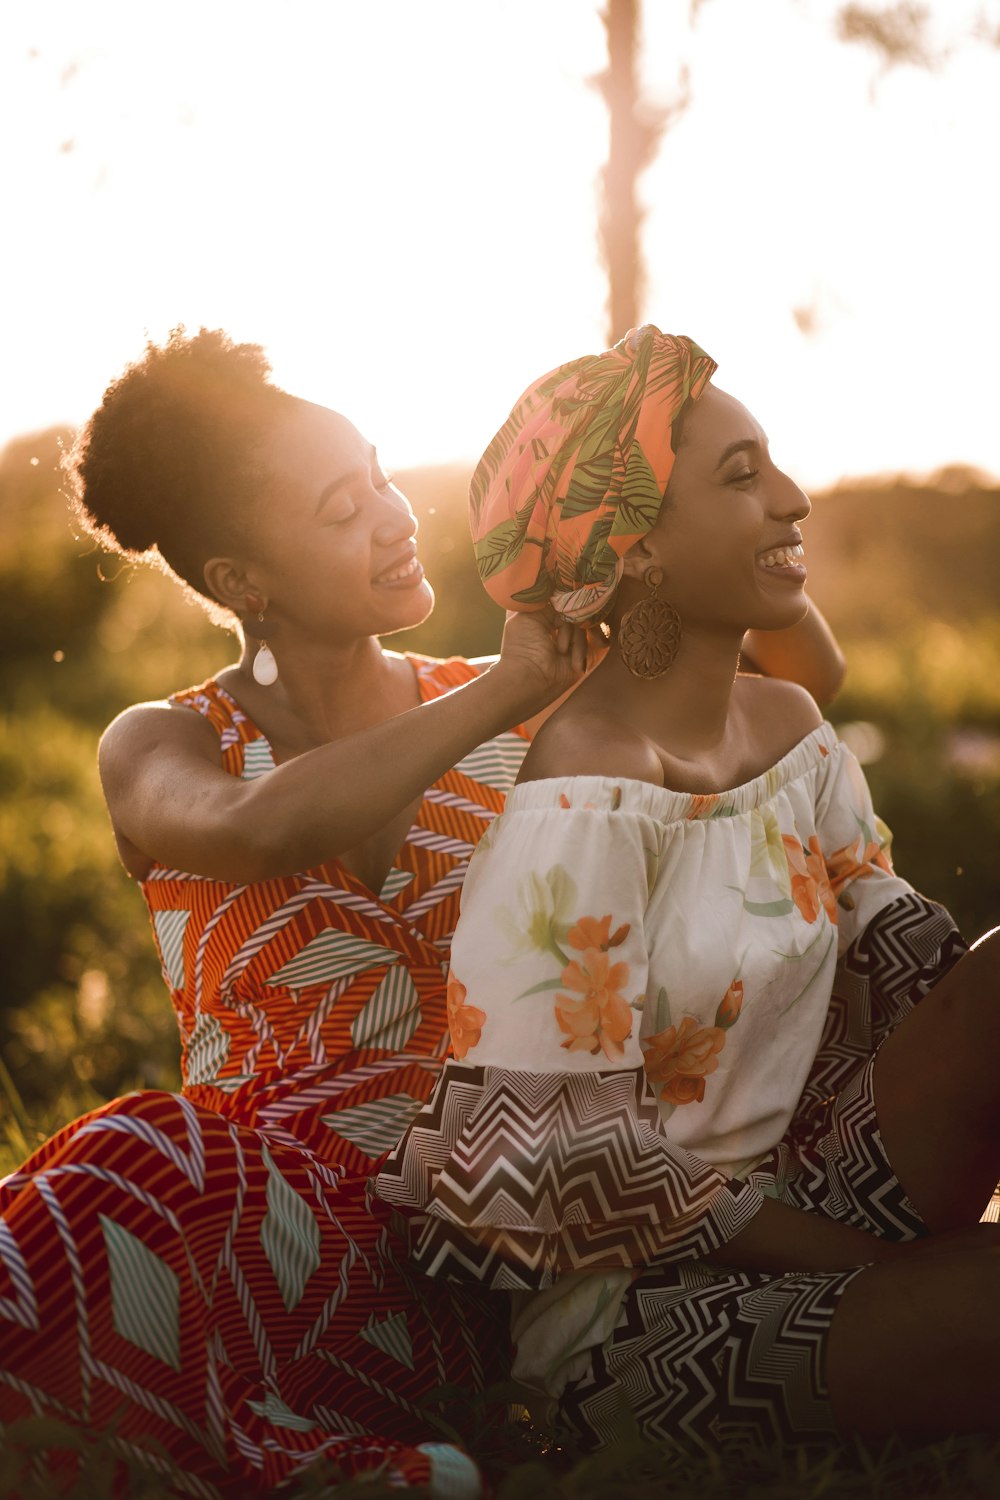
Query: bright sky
{"type": "Point", "coordinates": [398, 200]}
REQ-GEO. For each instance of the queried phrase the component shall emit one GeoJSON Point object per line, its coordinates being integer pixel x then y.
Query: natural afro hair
{"type": "Point", "coordinates": [166, 469]}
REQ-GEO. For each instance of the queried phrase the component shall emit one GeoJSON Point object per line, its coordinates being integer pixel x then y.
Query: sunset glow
{"type": "Point", "coordinates": [398, 201]}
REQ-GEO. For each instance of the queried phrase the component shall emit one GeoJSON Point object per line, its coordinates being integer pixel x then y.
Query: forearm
{"type": "Point", "coordinates": [325, 802]}
{"type": "Point", "coordinates": [333, 798]}
{"type": "Point", "coordinates": [806, 653]}
{"type": "Point", "coordinates": [780, 1238]}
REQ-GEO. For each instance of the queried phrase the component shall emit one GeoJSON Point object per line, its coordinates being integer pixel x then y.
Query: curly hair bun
{"type": "Point", "coordinates": [167, 460]}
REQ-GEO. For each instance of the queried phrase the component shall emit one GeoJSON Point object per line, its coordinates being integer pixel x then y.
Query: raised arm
{"type": "Point", "coordinates": [807, 653]}
{"type": "Point", "coordinates": [170, 800]}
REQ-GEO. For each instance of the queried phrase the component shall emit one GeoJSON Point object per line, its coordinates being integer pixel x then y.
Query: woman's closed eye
{"type": "Point", "coordinates": [745, 476]}
{"type": "Point", "coordinates": [348, 509]}
{"type": "Point", "coordinates": [345, 511]}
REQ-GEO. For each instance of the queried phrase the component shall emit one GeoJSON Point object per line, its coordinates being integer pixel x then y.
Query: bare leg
{"type": "Point", "coordinates": [914, 1345]}
{"type": "Point", "coordinates": [937, 1092]}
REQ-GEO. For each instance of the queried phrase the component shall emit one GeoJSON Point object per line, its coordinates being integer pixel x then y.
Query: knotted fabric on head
{"type": "Point", "coordinates": [577, 473]}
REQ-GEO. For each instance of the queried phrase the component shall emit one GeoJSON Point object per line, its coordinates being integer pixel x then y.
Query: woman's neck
{"type": "Point", "coordinates": [687, 710]}
{"type": "Point", "coordinates": [324, 692]}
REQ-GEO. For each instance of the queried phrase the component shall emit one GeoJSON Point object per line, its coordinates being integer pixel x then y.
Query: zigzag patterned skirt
{"type": "Point", "coordinates": [733, 1359]}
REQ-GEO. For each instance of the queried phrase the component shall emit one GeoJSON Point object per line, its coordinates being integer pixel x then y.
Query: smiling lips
{"type": "Point", "coordinates": [784, 560]}
{"type": "Point", "coordinates": [402, 574]}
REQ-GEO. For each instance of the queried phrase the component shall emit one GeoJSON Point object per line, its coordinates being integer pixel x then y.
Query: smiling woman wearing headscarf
{"type": "Point", "coordinates": [685, 971]}
{"type": "Point", "coordinates": [578, 472]}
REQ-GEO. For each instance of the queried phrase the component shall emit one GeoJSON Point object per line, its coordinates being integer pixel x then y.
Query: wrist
{"type": "Point", "coordinates": [517, 690]}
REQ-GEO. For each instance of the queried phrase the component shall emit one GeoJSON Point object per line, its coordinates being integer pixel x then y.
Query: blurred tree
{"type": "Point", "coordinates": [898, 34]}
{"type": "Point", "coordinates": [635, 130]}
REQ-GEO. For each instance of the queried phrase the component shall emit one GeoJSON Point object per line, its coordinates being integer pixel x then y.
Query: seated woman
{"type": "Point", "coordinates": [685, 975]}
{"type": "Point", "coordinates": [201, 1272]}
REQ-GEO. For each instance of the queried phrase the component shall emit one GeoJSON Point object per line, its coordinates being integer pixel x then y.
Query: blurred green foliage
{"type": "Point", "coordinates": [906, 573]}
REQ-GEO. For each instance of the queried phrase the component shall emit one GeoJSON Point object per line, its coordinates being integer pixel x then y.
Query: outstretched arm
{"type": "Point", "coordinates": [170, 800]}
{"type": "Point", "coordinates": [806, 653]}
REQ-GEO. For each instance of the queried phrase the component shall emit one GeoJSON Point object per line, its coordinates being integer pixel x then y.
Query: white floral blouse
{"type": "Point", "coordinates": [639, 984]}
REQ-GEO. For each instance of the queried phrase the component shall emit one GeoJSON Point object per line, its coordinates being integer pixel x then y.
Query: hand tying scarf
{"type": "Point", "coordinates": [578, 471]}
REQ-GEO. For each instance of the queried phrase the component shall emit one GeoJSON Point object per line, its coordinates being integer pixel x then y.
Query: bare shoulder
{"type": "Point", "coordinates": [779, 713]}
{"type": "Point", "coordinates": [145, 728]}
{"type": "Point", "coordinates": [583, 741]}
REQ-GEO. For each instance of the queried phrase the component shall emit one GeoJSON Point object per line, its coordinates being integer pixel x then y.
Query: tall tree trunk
{"type": "Point", "coordinates": [635, 129]}
{"type": "Point", "coordinates": [620, 214]}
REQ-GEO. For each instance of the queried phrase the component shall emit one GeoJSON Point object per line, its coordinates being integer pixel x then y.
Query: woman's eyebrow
{"type": "Point", "coordinates": [331, 489]}
{"type": "Point", "coordinates": [742, 445]}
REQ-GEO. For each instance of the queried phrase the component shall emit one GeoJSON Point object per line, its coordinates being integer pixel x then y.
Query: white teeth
{"type": "Point", "coordinates": [403, 572]}
{"type": "Point", "coordinates": [782, 557]}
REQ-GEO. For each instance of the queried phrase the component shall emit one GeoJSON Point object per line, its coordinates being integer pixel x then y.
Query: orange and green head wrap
{"type": "Point", "coordinates": [578, 471]}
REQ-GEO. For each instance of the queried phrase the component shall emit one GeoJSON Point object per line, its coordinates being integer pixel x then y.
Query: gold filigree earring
{"type": "Point", "coordinates": [649, 635]}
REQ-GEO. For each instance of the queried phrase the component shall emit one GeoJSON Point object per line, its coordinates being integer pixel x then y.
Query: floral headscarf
{"type": "Point", "coordinates": [577, 473]}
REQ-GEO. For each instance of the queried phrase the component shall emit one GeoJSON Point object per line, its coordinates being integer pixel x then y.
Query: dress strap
{"type": "Point", "coordinates": [236, 731]}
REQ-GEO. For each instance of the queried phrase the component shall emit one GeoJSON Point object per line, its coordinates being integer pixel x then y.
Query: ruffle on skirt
{"type": "Point", "coordinates": [511, 1177]}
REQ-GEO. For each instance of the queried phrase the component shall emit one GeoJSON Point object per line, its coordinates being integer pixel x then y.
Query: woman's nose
{"type": "Point", "coordinates": [397, 520]}
{"type": "Point", "coordinates": [791, 501]}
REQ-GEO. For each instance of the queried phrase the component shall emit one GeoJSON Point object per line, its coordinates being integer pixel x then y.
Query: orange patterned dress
{"type": "Point", "coordinates": [207, 1273]}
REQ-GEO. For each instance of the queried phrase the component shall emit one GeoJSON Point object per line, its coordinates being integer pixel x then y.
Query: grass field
{"type": "Point", "coordinates": [525, 1464]}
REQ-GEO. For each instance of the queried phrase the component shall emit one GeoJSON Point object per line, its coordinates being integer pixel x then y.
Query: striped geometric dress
{"type": "Point", "coordinates": [206, 1273]}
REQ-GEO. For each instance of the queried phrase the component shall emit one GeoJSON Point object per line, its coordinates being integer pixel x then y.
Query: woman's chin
{"type": "Point", "coordinates": [419, 608]}
{"type": "Point", "coordinates": [781, 614]}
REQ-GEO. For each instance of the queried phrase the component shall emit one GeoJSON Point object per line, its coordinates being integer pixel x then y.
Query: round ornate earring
{"type": "Point", "coordinates": [649, 635]}
{"type": "Point", "coordinates": [265, 668]}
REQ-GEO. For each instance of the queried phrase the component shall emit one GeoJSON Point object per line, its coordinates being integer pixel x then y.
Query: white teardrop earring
{"type": "Point", "coordinates": [264, 669]}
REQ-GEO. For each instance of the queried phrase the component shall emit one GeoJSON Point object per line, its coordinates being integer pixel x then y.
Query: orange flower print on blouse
{"type": "Point", "coordinates": [465, 1022]}
{"type": "Point", "coordinates": [702, 804]}
{"type": "Point", "coordinates": [681, 1057]}
{"type": "Point", "coordinates": [730, 1006]}
{"type": "Point", "coordinates": [811, 890]}
{"type": "Point", "coordinates": [602, 1018]}
{"type": "Point", "coordinates": [594, 932]}
{"type": "Point", "coordinates": [856, 862]}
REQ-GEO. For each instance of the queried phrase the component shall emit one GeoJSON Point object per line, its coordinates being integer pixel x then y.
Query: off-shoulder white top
{"type": "Point", "coordinates": [639, 982]}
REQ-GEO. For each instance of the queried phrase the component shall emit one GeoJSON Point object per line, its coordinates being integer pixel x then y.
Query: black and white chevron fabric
{"type": "Point", "coordinates": [905, 949]}
{"type": "Point", "coordinates": [524, 1175]}
{"type": "Point", "coordinates": [715, 1357]}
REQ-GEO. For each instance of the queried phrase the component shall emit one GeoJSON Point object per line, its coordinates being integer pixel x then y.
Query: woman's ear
{"type": "Point", "coordinates": [228, 583]}
{"type": "Point", "coordinates": [637, 559]}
